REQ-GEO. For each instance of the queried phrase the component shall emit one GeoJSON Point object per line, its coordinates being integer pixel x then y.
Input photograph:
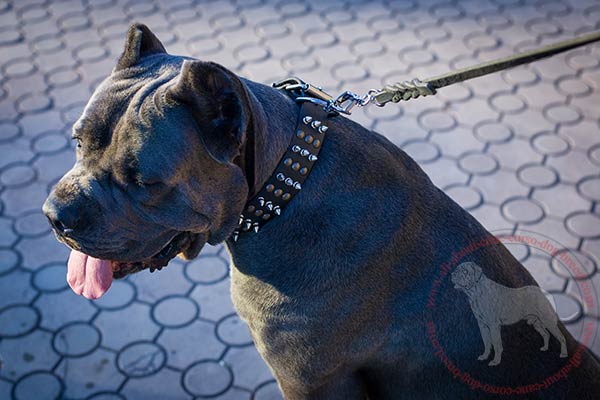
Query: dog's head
{"type": "Point", "coordinates": [466, 275]}
{"type": "Point", "coordinates": [158, 170]}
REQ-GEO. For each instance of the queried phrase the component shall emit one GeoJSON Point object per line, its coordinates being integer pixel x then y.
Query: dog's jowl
{"type": "Point", "coordinates": [334, 283]}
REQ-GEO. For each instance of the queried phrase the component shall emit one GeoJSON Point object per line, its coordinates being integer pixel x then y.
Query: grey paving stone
{"type": "Point", "coordinates": [214, 300]}
{"type": "Point", "coordinates": [26, 354]}
{"type": "Point", "coordinates": [16, 288]}
{"type": "Point", "coordinates": [49, 303]}
{"type": "Point", "coordinates": [91, 374]}
{"type": "Point", "coordinates": [38, 385]}
{"type": "Point", "coordinates": [166, 384]}
{"type": "Point", "coordinates": [249, 370]}
{"type": "Point", "coordinates": [133, 322]}
{"type": "Point", "coordinates": [190, 343]}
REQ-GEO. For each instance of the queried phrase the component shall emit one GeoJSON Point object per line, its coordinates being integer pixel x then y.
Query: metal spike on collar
{"type": "Point", "coordinates": [256, 227]}
{"type": "Point", "coordinates": [307, 119]}
{"type": "Point", "coordinates": [236, 235]}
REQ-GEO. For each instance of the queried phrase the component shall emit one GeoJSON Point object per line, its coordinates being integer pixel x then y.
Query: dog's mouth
{"type": "Point", "coordinates": [156, 262]}
{"type": "Point", "coordinates": [92, 277]}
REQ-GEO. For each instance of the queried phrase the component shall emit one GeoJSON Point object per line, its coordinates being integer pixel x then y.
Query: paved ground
{"type": "Point", "coordinates": [519, 149]}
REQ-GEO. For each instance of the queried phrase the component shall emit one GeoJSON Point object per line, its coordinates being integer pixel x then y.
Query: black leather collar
{"type": "Point", "coordinates": [291, 172]}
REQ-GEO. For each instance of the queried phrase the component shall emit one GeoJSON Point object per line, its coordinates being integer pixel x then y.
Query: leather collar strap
{"type": "Point", "coordinates": [290, 173]}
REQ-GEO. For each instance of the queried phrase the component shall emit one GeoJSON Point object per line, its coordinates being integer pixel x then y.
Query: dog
{"type": "Point", "coordinates": [334, 290]}
{"type": "Point", "coordinates": [495, 305]}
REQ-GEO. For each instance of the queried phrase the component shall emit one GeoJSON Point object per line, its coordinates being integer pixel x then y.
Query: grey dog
{"type": "Point", "coordinates": [335, 289]}
{"type": "Point", "coordinates": [495, 305]}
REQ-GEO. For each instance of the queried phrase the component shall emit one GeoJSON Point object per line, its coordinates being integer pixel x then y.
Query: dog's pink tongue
{"type": "Point", "coordinates": [88, 276]}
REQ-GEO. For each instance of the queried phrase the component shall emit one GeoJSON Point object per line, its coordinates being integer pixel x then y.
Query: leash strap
{"type": "Point", "coordinates": [407, 90]}
{"type": "Point", "coordinates": [412, 89]}
{"type": "Point", "coordinates": [290, 173]}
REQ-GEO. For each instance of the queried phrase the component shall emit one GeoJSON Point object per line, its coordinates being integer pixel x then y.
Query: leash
{"type": "Point", "coordinates": [412, 89]}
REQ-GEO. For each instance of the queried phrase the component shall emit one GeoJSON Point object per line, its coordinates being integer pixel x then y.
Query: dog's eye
{"type": "Point", "coordinates": [76, 138]}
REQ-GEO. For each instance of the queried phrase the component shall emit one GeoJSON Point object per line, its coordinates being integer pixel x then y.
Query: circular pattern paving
{"type": "Point", "coordinates": [74, 21]}
{"type": "Point", "coordinates": [584, 224]}
{"type": "Point", "coordinates": [319, 38]}
{"type": "Point", "coordinates": [19, 68]}
{"type": "Point", "coordinates": [466, 196]}
{"type": "Point", "coordinates": [550, 143]}
{"type": "Point", "coordinates": [227, 22]}
{"type": "Point", "coordinates": [509, 103]}
{"type": "Point", "coordinates": [437, 120]}
{"type": "Point", "coordinates": [367, 47]}
{"type": "Point", "coordinates": [10, 35]}
{"type": "Point", "coordinates": [573, 86]}
{"type": "Point", "coordinates": [567, 308]}
{"type": "Point", "coordinates": [32, 224]}
{"type": "Point", "coordinates": [539, 176]}
{"type": "Point", "coordinates": [481, 41]}
{"type": "Point", "coordinates": [17, 175]}
{"type": "Point", "coordinates": [272, 29]}
{"type": "Point", "coordinates": [594, 154]}
{"type": "Point", "coordinates": [590, 187]}
{"type": "Point", "coordinates": [478, 163]}
{"type": "Point", "coordinates": [62, 77]}
{"type": "Point", "coordinates": [349, 72]}
{"type": "Point", "coordinates": [50, 142]}
{"type": "Point", "coordinates": [141, 359]}
{"type": "Point", "coordinates": [8, 131]}
{"type": "Point", "coordinates": [207, 269]}
{"type": "Point", "coordinates": [28, 387]}
{"type": "Point", "coordinates": [522, 210]}
{"type": "Point", "coordinates": [561, 113]}
{"type": "Point", "coordinates": [232, 331]}
{"type": "Point", "coordinates": [267, 391]}
{"type": "Point", "coordinates": [121, 294]}
{"type": "Point", "coordinates": [47, 44]}
{"type": "Point", "coordinates": [33, 103]}
{"type": "Point", "coordinates": [33, 13]}
{"type": "Point", "coordinates": [76, 339]}
{"type": "Point", "coordinates": [521, 76]}
{"type": "Point", "coordinates": [493, 132]}
{"type": "Point", "coordinates": [203, 45]}
{"type": "Point", "coordinates": [90, 52]}
{"type": "Point", "coordinates": [207, 378]}
{"type": "Point", "coordinates": [51, 278]}
{"type": "Point", "coordinates": [417, 56]}
{"type": "Point", "coordinates": [432, 32]}
{"type": "Point", "coordinates": [8, 260]}
{"type": "Point", "coordinates": [251, 53]}
{"type": "Point", "coordinates": [175, 312]}
{"type": "Point", "coordinates": [422, 151]}
{"type": "Point", "coordinates": [18, 320]}
{"type": "Point", "coordinates": [573, 263]}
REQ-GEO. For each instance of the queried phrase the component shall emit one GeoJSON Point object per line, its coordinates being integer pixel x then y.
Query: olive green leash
{"type": "Point", "coordinates": [412, 89]}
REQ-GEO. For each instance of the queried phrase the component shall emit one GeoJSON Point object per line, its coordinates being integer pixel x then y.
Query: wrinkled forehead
{"type": "Point", "coordinates": [123, 93]}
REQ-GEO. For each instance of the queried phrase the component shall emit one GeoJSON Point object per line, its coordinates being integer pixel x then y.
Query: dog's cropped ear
{"type": "Point", "coordinates": [218, 102]}
{"type": "Point", "coordinates": [140, 42]}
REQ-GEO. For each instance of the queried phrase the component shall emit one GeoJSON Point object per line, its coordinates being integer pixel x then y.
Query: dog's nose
{"type": "Point", "coordinates": [63, 218]}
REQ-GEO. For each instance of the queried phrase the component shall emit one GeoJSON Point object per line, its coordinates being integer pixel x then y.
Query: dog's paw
{"type": "Point", "coordinates": [483, 357]}
{"type": "Point", "coordinates": [564, 354]}
{"type": "Point", "coordinates": [544, 348]}
{"type": "Point", "coordinates": [494, 362]}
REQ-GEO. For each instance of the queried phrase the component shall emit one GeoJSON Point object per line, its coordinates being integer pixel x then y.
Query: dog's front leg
{"type": "Point", "coordinates": [487, 340]}
{"type": "Point", "coordinates": [496, 344]}
{"type": "Point", "coordinates": [340, 387]}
